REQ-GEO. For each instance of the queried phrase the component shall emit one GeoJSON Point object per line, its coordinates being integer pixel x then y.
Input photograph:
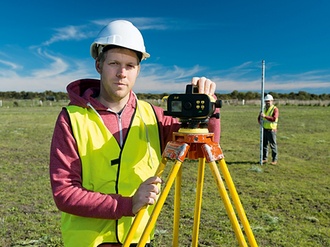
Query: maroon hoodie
{"type": "Point", "coordinates": [65, 164]}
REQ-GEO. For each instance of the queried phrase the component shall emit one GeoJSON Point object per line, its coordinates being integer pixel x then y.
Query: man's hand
{"type": "Point", "coordinates": [146, 193]}
{"type": "Point", "coordinates": [205, 86]}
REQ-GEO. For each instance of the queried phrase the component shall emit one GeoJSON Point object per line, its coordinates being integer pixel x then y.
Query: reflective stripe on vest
{"type": "Point", "coordinates": [109, 169]}
{"type": "Point", "coordinates": [268, 124]}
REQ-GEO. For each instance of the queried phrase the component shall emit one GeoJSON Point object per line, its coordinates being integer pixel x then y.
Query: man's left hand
{"type": "Point", "coordinates": [205, 86]}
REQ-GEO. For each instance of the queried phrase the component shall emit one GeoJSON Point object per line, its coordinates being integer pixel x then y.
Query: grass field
{"type": "Point", "coordinates": [286, 205]}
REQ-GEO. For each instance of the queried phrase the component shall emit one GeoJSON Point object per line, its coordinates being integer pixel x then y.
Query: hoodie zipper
{"type": "Point", "coordinates": [120, 126]}
{"type": "Point", "coordinates": [120, 129]}
{"type": "Point", "coordinates": [118, 118]}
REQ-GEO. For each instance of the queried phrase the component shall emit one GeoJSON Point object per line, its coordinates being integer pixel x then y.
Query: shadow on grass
{"type": "Point", "coordinates": [242, 162]}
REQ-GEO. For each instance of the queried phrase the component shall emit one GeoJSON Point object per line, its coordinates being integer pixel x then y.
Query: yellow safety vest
{"type": "Point", "coordinates": [268, 124]}
{"type": "Point", "coordinates": [109, 169]}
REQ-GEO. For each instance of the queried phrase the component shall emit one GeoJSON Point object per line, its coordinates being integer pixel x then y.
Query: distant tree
{"type": "Point", "coordinates": [302, 95]}
{"type": "Point", "coordinates": [292, 95]}
{"type": "Point", "coordinates": [314, 97]}
{"type": "Point", "coordinates": [234, 94]}
{"type": "Point", "coordinates": [251, 95]}
{"type": "Point", "coordinates": [324, 96]}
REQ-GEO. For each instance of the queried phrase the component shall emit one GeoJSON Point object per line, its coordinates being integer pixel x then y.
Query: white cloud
{"type": "Point", "coordinates": [81, 32]}
{"type": "Point", "coordinates": [57, 66]}
{"type": "Point", "coordinates": [156, 78]}
{"type": "Point", "coordinates": [56, 83]}
{"type": "Point", "coordinates": [67, 33]}
{"type": "Point", "coordinates": [142, 23]}
{"type": "Point", "coordinates": [10, 64]}
{"type": "Point", "coordinates": [54, 71]}
{"type": "Point", "coordinates": [55, 74]}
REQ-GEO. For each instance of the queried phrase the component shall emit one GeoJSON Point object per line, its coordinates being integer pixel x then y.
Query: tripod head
{"type": "Point", "coordinates": [192, 108]}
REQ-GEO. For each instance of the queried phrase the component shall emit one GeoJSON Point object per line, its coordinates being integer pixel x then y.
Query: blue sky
{"type": "Point", "coordinates": [44, 45]}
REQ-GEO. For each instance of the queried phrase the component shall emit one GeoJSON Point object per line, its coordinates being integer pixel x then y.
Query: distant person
{"type": "Point", "coordinates": [107, 144]}
{"type": "Point", "coordinates": [269, 119]}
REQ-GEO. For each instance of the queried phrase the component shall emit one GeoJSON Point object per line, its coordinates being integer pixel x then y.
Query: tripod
{"type": "Point", "coordinates": [194, 144]}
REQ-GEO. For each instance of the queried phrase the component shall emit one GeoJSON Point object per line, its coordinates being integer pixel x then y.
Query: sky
{"type": "Point", "coordinates": [44, 45]}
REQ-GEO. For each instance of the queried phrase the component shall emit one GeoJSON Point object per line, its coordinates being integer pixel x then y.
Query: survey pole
{"type": "Point", "coordinates": [262, 102]}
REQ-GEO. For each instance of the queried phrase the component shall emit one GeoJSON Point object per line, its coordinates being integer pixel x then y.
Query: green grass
{"type": "Point", "coordinates": [286, 205]}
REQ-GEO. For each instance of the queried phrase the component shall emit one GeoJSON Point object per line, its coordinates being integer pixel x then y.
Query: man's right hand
{"type": "Point", "coordinates": [146, 193]}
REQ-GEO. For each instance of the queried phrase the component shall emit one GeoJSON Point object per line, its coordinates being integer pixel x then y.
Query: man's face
{"type": "Point", "coordinates": [268, 103]}
{"type": "Point", "coordinates": [118, 74]}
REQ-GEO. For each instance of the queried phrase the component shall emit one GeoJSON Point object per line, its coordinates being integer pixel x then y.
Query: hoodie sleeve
{"type": "Point", "coordinates": [66, 182]}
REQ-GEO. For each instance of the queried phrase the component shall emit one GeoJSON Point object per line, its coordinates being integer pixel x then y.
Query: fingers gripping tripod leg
{"type": "Point", "coordinates": [159, 204]}
{"type": "Point", "coordinates": [173, 151]}
{"type": "Point", "coordinates": [142, 211]}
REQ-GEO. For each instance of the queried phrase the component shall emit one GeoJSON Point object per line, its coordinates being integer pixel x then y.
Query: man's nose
{"type": "Point", "coordinates": [121, 71]}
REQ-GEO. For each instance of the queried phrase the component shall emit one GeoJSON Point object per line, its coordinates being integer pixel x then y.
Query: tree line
{"type": "Point", "coordinates": [56, 96]}
{"type": "Point", "coordinates": [23, 95]}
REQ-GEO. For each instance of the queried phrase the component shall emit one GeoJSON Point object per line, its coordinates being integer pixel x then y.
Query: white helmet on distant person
{"type": "Point", "coordinates": [268, 97]}
{"type": "Point", "coordinates": [119, 33]}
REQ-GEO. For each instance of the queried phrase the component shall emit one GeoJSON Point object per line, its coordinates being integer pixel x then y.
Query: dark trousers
{"type": "Point", "coordinates": [270, 139]}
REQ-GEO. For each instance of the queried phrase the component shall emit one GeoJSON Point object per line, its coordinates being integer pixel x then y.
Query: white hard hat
{"type": "Point", "coordinates": [268, 97]}
{"type": "Point", "coordinates": [120, 33]}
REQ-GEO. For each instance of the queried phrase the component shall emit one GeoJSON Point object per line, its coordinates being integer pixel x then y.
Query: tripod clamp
{"type": "Point", "coordinates": [200, 142]}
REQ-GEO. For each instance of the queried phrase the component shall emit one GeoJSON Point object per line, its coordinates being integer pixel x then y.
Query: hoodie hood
{"type": "Point", "coordinates": [83, 91]}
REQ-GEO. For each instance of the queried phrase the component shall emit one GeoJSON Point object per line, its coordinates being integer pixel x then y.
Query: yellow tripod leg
{"type": "Point", "coordinates": [228, 205]}
{"type": "Point", "coordinates": [177, 203]}
{"type": "Point", "coordinates": [237, 203]}
{"type": "Point", "coordinates": [198, 202]}
{"type": "Point", "coordinates": [142, 211]}
{"type": "Point", "coordinates": [159, 204]}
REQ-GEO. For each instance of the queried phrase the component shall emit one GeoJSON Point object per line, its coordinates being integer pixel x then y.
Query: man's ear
{"type": "Point", "coordinates": [98, 66]}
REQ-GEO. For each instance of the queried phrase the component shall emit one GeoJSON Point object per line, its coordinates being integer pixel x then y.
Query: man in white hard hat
{"type": "Point", "coordinates": [269, 119]}
{"type": "Point", "coordinates": [107, 144]}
